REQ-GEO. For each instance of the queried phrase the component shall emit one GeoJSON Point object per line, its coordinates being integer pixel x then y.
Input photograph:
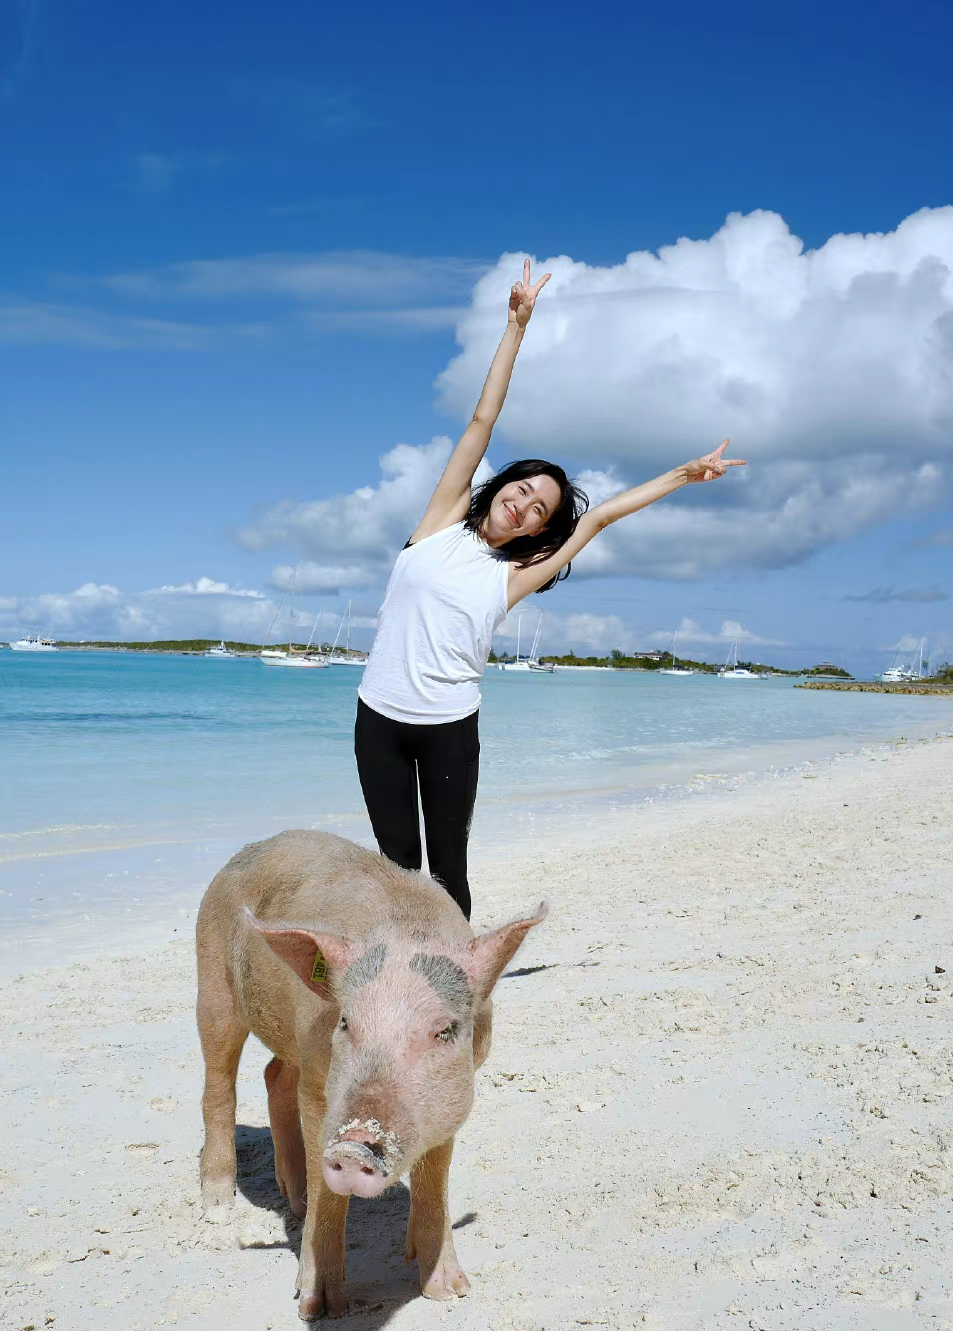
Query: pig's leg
{"type": "Point", "coordinates": [429, 1237]}
{"type": "Point", "coordinates": [321, 1269]}
{"type": "Point", "coordinates": [281, 1080]}
{"type": "Point", "coordinates": [223, 1036]}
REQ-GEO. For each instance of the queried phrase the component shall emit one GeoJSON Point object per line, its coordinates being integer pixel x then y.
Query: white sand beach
{"type": "Point", "coordinates": [719, 1094]}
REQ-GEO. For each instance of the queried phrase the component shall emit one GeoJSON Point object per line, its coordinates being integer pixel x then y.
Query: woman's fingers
{"type": "Point", "coordinates": [540, 284]}
{"type": "Point", "coordinates": [526, 272]}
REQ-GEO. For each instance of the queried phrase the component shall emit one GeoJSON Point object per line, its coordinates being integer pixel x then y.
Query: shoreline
{"type": "Point", "coordinates": [749, 996]}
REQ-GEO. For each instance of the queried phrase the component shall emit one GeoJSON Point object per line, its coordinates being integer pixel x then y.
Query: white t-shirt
{"type": "Point", "coordinates": [446, 596]}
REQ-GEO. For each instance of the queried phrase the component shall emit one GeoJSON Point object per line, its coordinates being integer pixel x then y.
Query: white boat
{"type": "Point", "coordinates": [345, 658]}
{"type": "Point", "coordinates": [531, 662]}
{"type": "Point", "coordinates": [732, 670]}
{"type": "Point", "coordinates": [674, 668]}
{"type": "Point", "coordinates": [277, 656]}
{"type": "Point", "coordinates": [33, 643]}
{"type": "Point", "coordinates": [220, 653]}
{"type": "Point", "coordinates": [899, 673]}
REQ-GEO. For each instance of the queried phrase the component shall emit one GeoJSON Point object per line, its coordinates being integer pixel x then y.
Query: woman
{"type": "Point", "coordinates": [471, 559]}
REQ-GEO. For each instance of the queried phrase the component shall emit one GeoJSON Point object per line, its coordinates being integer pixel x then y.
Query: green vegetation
{"type": "Point", "coordinates": [826, 671]}
{"type": "Point", "coordinates": [944, 673]}
{"type": "Point", "coordinates": [617, 660]}
{"type": "Point", "coordinates": [166, 645]}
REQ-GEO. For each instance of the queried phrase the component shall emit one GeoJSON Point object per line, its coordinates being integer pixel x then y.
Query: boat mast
{"type": "Point", "coordinates": [519, 625]}
{"type": "Point", "coordinates": [347, 638]}
{"type": "Point", "coordinates": [533, 650]}
{"type": "Point", "coordinates": [674, 646]}
{"type": "Point", "coordinates": [274, 620]}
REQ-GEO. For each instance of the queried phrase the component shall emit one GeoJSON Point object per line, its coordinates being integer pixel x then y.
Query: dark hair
{"type": "Point", "coordinates": [527, 550]}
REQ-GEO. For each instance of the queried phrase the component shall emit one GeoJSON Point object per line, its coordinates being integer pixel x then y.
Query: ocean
{"type": "Point", "coordinates": [127, 779]}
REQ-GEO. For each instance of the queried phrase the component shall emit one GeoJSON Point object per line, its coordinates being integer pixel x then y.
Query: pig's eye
{"type": "Point", "coordinates": [448, 1032]}
{"type": "Point", "coordinates": [342, 1024]}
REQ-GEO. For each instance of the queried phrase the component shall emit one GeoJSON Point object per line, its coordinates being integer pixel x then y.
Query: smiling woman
{"type": "Point", "coordinates": [473, 556]}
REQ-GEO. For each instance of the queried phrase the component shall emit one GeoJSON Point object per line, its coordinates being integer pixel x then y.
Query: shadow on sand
{"type": "Point", "coordinates": [379, 1281]}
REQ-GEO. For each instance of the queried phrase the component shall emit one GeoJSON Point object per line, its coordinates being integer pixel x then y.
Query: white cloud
{"type": "Point", "coordinates": [351, 540]}
{"type": "Point", "coordinates": [745, 334]}
{"type": "Point", "coordinates": [32, 322]}
{"type": "Point", "coordinates": [559, 634]}
{"type": "Point", "coordinates": [831, 370]}
{"type": "Point", "coordinates": [322, 579]}
{"type": "Point", "coordinates": [347, 279]}
{"type": "Point", "coordinates": [203, 587]}
{"type": "Point", "coordinates": [204, 609]}
{"type": "Point", "coordinates": [731, 630]}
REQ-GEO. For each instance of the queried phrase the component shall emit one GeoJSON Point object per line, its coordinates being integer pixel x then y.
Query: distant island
{"type": "Point", "coordinates": [652, 660]}
{"type": "Point", "coordinates": [196, 647]}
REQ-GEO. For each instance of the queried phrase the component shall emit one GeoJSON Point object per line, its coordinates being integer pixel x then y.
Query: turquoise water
{"type": "Point", "coordinates": [126, 780]}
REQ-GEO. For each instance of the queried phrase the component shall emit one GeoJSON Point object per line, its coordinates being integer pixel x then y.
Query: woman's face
{"type": "Point", "coordinates": [521, 508]}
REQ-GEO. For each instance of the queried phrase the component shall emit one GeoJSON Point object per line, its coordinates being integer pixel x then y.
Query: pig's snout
{"type": "Point", "coordinates": [357, 1163]}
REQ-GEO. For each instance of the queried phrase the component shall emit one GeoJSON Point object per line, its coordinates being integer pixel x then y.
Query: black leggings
{"type": "Point", "coordinates": [394, 759]}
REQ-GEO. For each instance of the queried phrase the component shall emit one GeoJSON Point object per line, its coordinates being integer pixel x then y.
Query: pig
{"type": "Point", "coordinates": [370, 989]}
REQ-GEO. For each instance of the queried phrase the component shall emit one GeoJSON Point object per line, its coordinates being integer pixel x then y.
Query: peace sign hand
{"type": "Point", "coordinates": [523, 297]}
{"type": "Point", "coordinates": [710, 467]}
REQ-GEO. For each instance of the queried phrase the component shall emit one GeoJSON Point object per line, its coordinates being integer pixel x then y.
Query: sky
{"type": "Point", "coordinates": [255, 262]}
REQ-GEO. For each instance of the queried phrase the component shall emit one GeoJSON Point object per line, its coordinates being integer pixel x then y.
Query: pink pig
{"type": "Point", "coordinates": [370, 989]}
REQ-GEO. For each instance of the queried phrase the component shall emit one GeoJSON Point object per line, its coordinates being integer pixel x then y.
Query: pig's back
{"type": "Point", "coordinates": [319, 879]}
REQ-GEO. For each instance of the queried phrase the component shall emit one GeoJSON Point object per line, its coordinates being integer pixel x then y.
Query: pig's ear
{"type": "Point", "coordinates": [489, 954]}
{"type": "Point", "coordinates": [313, 956]}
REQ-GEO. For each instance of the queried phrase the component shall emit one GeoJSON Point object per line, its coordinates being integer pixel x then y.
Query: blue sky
{"type": "Point", "coordinates": [241, 244]}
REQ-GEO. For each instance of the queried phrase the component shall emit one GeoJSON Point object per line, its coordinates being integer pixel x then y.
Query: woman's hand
{"type": "Point", "coordinates": [523, 297]}
{"type": "Point", "coordinates": [712, 466]}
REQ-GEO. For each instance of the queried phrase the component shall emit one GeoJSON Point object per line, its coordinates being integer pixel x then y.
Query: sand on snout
{"type": "Point", "coordinates": [719, 1095]}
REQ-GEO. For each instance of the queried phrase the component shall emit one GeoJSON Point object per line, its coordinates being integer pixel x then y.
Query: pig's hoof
{"type": "Point", "coordinates": [299, 1206]}
{"type": "Point", "coordinates": [328, 1301]}
{"type": "Point", "coordinates": [446, 1280]}
{"type": "Point", "coordinates": [217, 1193]}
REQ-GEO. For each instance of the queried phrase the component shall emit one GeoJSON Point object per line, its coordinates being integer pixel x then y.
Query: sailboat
{"type": "Point", "coordinates": [898, 673]}
{"type": "Point", "coordinates": [731, 668]}
{"type": "Point", "coordinates": [345, 657]}
{"type": "Point", "coordinates": [674, 668]}
{"type": "Point", "coordinates": [532, 662]}
{"type": "Point", "coordinates": [277, 656]}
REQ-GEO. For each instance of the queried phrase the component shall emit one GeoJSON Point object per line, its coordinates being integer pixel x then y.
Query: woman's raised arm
{"type": "Point", "coordinates": [709, 468]}
{"type": "Point", "coordinates": [450, 501]}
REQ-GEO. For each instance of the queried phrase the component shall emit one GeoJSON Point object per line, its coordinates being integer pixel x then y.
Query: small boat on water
{"type": "Point", "coordinates": [277, 656]}
{"type": "Point", "coordinates": [674, 668]}
{"type": "Point", "coordinates": [732, 670]}
{"type": "Point", "coordinates": [531, 662]}
{"type": "Point", "coordinates": [345, 658]}
{"type": "Point", "coordinates": [899, 673]}
{"type": "Point", "coordinates": [33, 643]}
{"type": "Point", "coordinates": [220, 653]}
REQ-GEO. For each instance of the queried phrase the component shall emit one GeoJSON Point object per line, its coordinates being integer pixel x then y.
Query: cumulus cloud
{"type": "Point", "coordinates": [205, 608]}
{"type": "Point", "coordinates": [745, 334]}
{"type": "Point", "coordinates": [831, 370]}
{"type": "Point", "coordinates": [351, 540]}
{"type": "Point", "coordinates": [881, 595]}
{"type": "Point", "coordinates": [590, 634]}
{"type": "Point", "coordinates": [731, 630]}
